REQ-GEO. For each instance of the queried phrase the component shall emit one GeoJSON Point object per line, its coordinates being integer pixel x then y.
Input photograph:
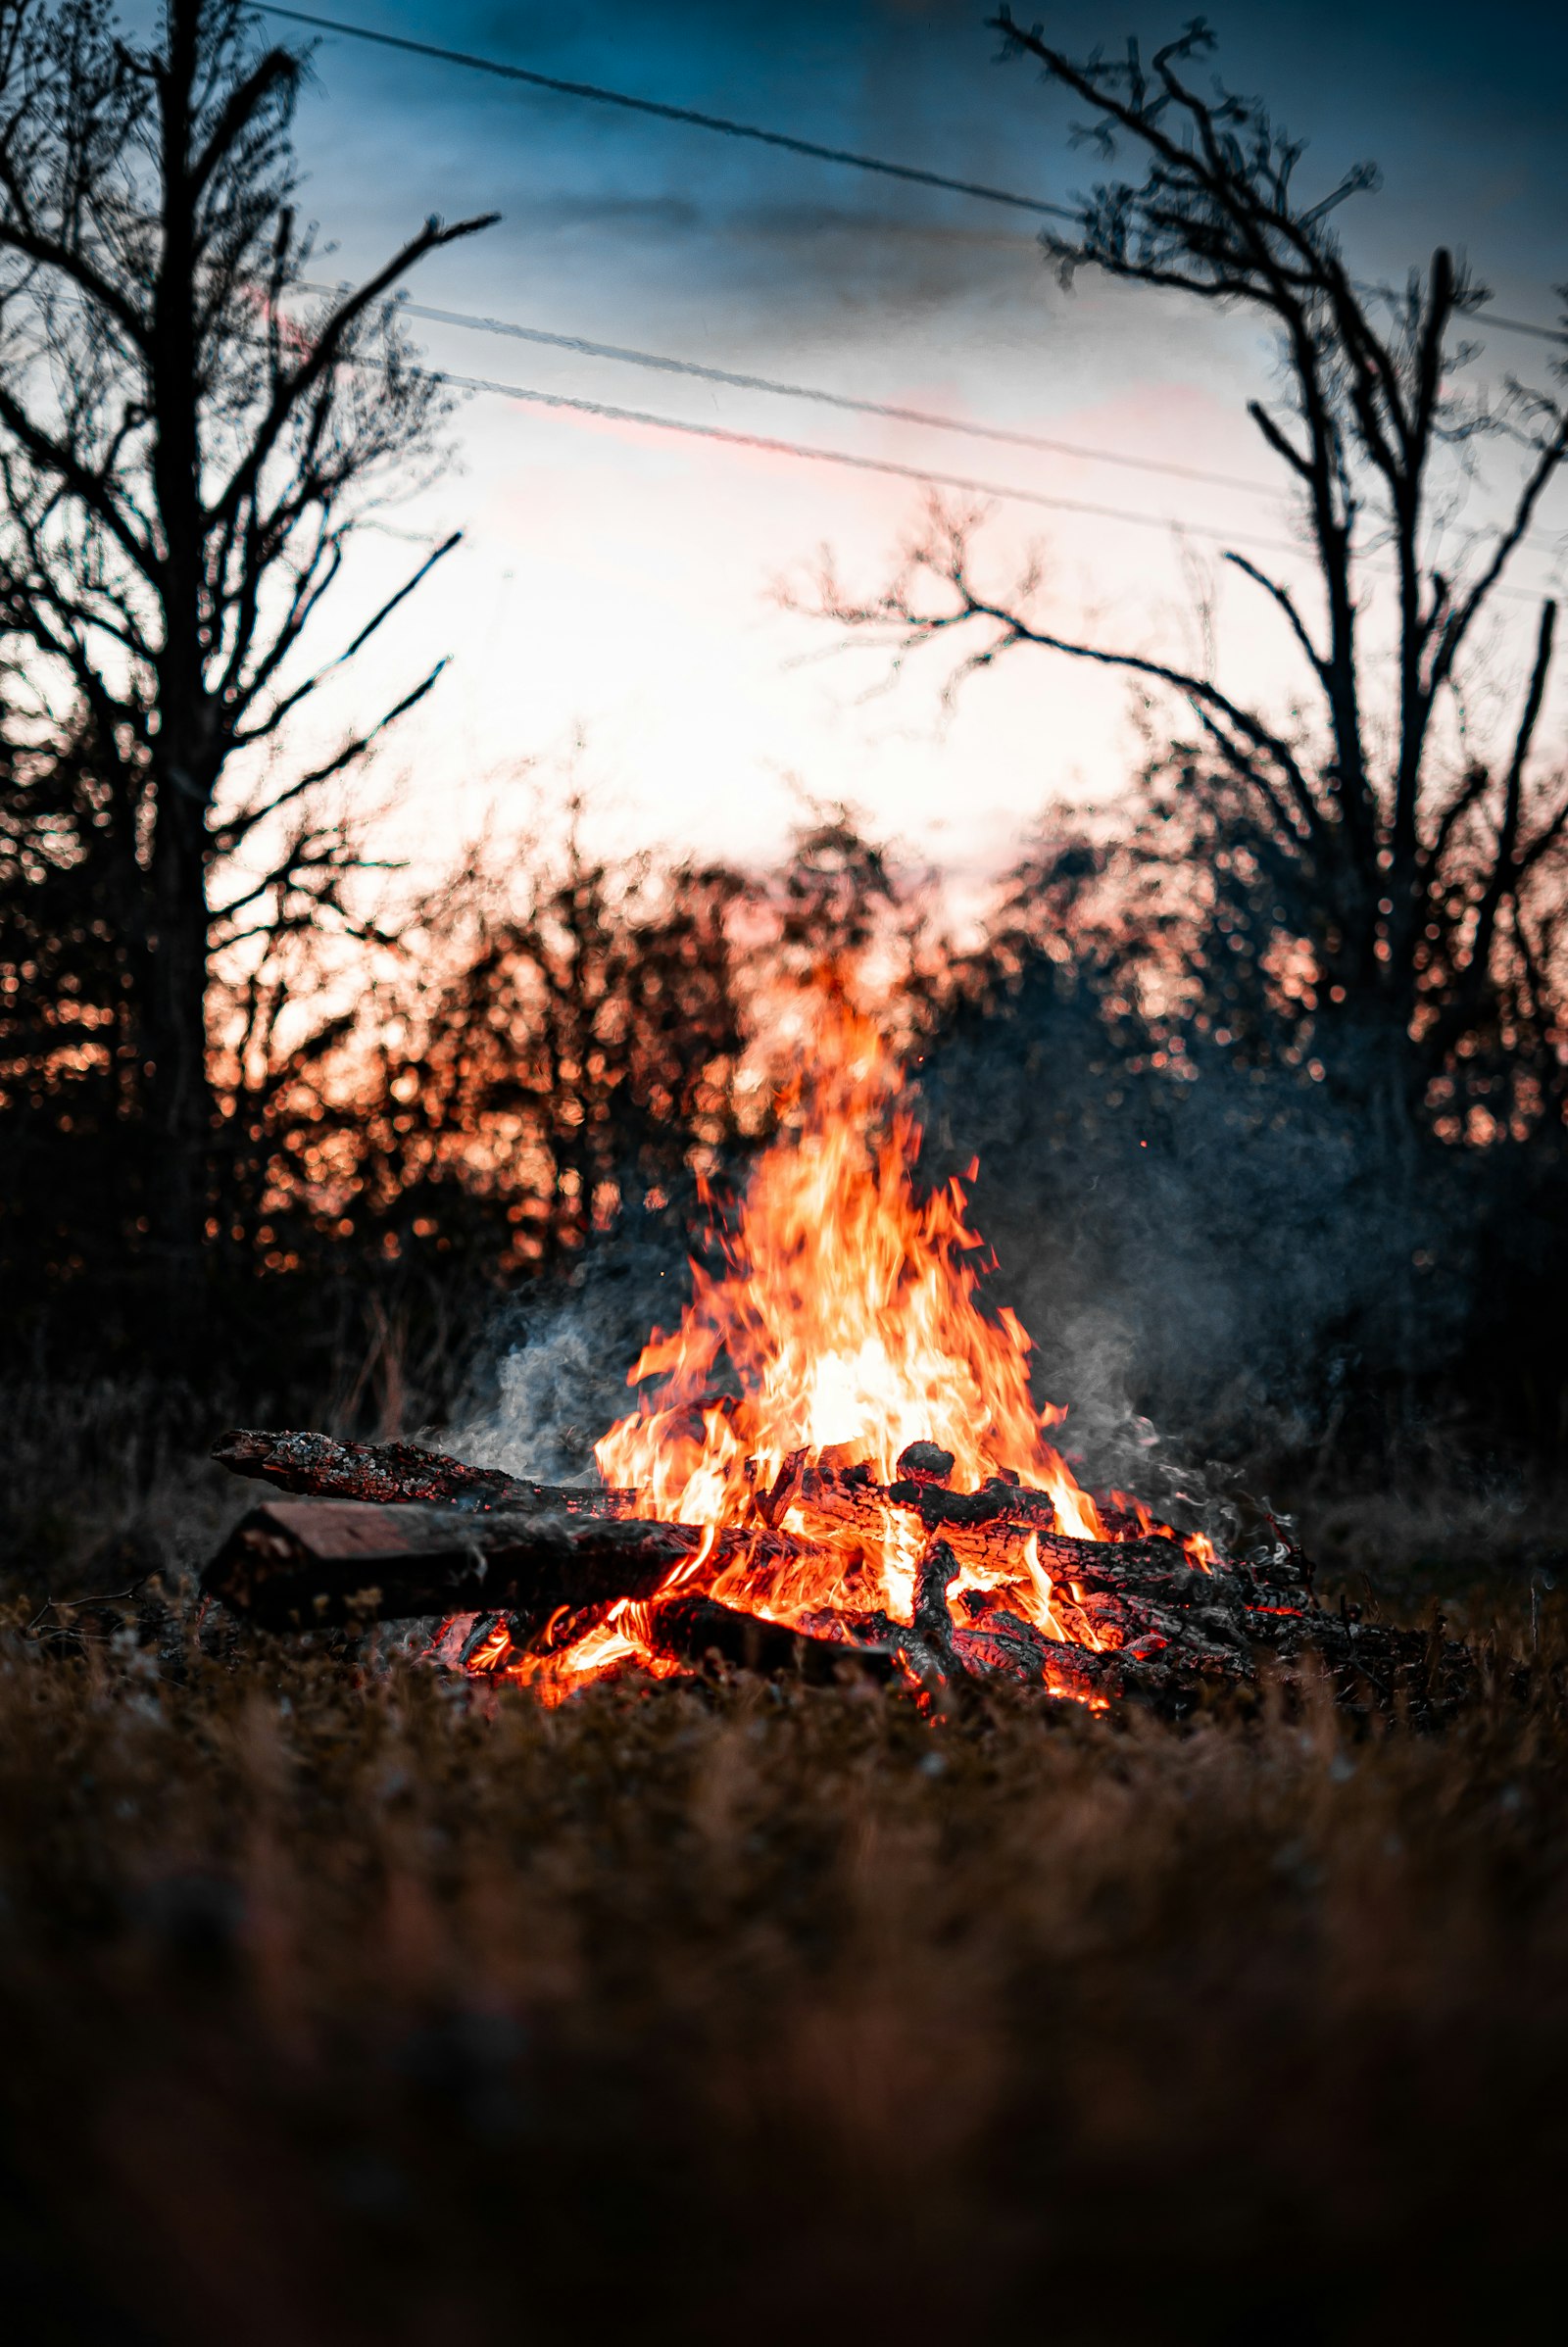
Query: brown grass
{"type": "Point", "coordinates": [347, 2002]}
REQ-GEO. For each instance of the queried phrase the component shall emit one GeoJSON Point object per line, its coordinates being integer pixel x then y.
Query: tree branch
{"type": "Point", "coordinates": [275, 717]}
{"type": "Point", "coordinates": [328, 348]}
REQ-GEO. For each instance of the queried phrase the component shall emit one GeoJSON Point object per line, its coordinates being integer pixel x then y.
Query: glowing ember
{"type": "Point", "coordinates": [841, 1351]}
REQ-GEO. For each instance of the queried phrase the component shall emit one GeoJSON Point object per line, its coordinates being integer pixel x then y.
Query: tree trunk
{"type": "Point", "coordinates": [185, 768]}
{"type": "Point", "coordinates": [179, 1088]}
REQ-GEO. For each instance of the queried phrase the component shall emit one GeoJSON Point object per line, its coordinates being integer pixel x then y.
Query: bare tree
{"type": "Point", "coordinates": [1420, 878]}
{"type": "Point", "coordinates": [187, 445]}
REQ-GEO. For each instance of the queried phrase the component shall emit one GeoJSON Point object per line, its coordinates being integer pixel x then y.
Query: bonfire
{"type": "Point", "coordinates": [835, 1464]}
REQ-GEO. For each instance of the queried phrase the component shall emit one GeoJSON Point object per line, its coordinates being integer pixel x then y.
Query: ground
{"type": "Point", "coordinates": [348, 2001]}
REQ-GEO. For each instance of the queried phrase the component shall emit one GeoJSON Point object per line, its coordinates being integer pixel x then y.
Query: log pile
{"type": "Point", "coordinates": [375, 1533]}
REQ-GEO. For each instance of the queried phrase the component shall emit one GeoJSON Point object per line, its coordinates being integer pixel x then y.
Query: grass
{"type": "Point", "coordinates": [345, 2001]}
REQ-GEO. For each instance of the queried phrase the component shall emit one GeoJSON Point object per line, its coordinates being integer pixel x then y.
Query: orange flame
{"type": "Point", "coordinates": [845, 1314]}
{"type": "Point", "coordinates": [844, 1325]}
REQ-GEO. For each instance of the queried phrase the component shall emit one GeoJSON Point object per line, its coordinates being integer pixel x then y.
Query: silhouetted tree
{"type": "Point", "coordinates": [72, 978]}
{"type": "Point", "coordinates": [538, 1061]}
{"type": "Point", "coordinates": [841, 900]}
{"type": "Point", "coordinates": [1355, 872]}
{"type": "Point", "coordinates": [187, 443]}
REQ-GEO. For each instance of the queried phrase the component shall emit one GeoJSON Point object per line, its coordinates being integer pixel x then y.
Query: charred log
{"type": "Point", "coordinates": [926, 1462]}
{"type": "Point", "coordinates": [302, 1564]}
{"type": "Point", "coordinates": [395, 1532]}
{"type": "Point", "coordinates": [687, 1629]}
{"type": "Point", "coordinates": [485, 1543]}
{"type": "Point", "coordinates": [1001, 1644]}
{"type": "Point", "coordinates": [397, 1473]}
{"type": "Point", "coordinates": [930, 1644]}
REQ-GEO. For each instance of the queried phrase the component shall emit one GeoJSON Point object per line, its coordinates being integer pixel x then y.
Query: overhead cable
{"type": "Point", "coordinates": [752, 130]}
{"type": "Point", "coordinates": [926, 418]}
{"type": "Point", "coordinates": [887, 466]}
{"type": "Point", "coordinates": [854, 462]}
{"type": "Point", "coordinates": [716, 374]}
{"type": "Point", "coordinates": [677, 114]}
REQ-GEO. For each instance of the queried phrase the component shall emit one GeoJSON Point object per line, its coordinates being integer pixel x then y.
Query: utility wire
{"type": "Point", "coordinates": [827, 399]}
{"type": "Point", "coordinates": [753, 130]}
{"type": "Point", "coordinates": [834, 399]}
{"type": "Point", "coordinates": [855, 463]}
{"type": "Point", "coordinates": [676, 113]}
{"type": "Point", "coordinates": [561, 401]}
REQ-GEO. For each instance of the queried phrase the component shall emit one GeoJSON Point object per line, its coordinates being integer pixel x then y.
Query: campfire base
{"type": "Point", "coordinates": [389, 1533]}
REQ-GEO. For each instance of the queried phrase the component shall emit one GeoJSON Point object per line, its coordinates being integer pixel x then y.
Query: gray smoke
{"type": "Point", "coordinates": [558, 1361]}
{"type": "Point", "coordinates": [1137, 1287]}
{"type": "Point", "coordinates": [1238, 1261]}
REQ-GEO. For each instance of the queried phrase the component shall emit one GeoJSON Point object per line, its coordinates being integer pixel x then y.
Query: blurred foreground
{"type": "Point", "coordinates": [350, 2001]}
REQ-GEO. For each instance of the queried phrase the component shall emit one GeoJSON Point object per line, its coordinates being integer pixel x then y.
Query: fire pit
{"type": "Point", "coordinates": [835, 1466]}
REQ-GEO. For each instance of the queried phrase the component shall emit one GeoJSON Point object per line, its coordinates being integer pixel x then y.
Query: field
{"type": "Point", "coordinates": [345, 2001]}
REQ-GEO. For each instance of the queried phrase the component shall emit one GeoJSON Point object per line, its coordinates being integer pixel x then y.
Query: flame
{"type": "Point", "coordinates": [842, 1324]}
{"type": "Point", "coordinates": [845, 1314]}
{"type": "Point", "coordinates": [621, 1637]}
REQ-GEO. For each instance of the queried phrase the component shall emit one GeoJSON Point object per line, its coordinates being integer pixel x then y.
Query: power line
{"type": "Point", "coordinates": [887, 466]}
{"type": "Point", "coordinates": [834, 399]}
{"type": "Point", "coordinates": [676, 113]}
{"type": "Point", "coordinates": [855, 463]}
{"type": "Point", "coordinates": [827, 399]}
{"type": "Point", "coordinates": [753, 130]}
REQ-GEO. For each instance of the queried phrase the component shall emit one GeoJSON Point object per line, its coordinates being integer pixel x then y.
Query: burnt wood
{"type": "Point", "coordinates": [407, 1532]}
{"type": "Point", "coordinates": [396, 1473]}
{"type": "Point", "coordinates": [390, 1530]}
{"type": "Point", "coordinates": [688, 1628]}
{"type": "Point", "coordinates": [302, 1564]}
{"type": "Point", "coordinates": [305, 1564]}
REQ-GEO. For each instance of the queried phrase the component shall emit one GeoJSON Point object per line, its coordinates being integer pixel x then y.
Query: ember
{"type": "Point", "coordinates": [835, 1463]}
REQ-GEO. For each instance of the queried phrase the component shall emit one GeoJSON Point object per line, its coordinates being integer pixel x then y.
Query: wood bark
{"type": "Point", "coordinates": [690, 1629]}
{"type": "Point", "coordinates": [305, 1564]}
{"type": "Point", "coordinates": [392, 1474]}
{"type": "Point", "coordinates": [399, 1531]}
{"type": "Point", "coordinates": [1166, 1632]}
{"type": "Point", "coordinates": [402, 1533]}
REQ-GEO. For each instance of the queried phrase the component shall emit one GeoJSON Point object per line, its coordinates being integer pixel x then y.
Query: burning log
{"type": "Point", "coordinates": [304, 1564]}
{"type": "Point", "coordinates": [979, 1526]}
{"type": "Point", "coordinates": [404, 1533]}
{"type": "Point", "coordinates": [396, 1473]}
{"type": "Point", "coordinates": [311, 1563]}
{"type": "Point", "coordinates": [1004, 1645]}
{"type": "Point", "coordinates": [1164, 1628]}
{"type": "Point", "coordinates": [686, 1628]}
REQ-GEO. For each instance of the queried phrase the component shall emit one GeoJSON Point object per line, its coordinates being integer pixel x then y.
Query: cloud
{"type": "Point", "coordinates": [662, 216]}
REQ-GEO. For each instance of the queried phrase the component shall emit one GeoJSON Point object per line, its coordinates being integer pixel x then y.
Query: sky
{"type": "Point", "coordinates": [613, 612]}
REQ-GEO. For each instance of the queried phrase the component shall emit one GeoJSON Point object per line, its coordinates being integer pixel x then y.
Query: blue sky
{"type": "Point", "coordinates": [616, 583]}
{"type": "Point", "coordinates": [1463, 107]}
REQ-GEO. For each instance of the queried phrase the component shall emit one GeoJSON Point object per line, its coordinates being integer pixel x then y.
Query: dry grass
{"type": "Point", "coordinates": [346, 2002]}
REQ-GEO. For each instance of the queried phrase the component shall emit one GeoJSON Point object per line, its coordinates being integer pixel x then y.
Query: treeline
{"type": "Point", "coordinates": [1199, 1208]}
{"type": "Point", "coordinates": [1267, 1067]}
{"type": "Point", "coordinates": [401, 1136]}
{"type": "Point", "coordinates": [1207, 1197]}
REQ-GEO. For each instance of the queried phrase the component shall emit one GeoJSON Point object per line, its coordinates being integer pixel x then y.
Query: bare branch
{"type": "Point", "coordinates": [284, 708]}
{"type": "Point", "coordinates": [294, 387]}
{"type": "Point", "coordinates": [1287, 604]}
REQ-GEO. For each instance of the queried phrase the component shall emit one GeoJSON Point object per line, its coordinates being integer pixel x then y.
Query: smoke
{"type": "Point", "coordinates": [557, 1363]}
{"type": "Point", "coordinates": [1224, 1280]}
{"type": "Point", "coordinates": [1245, 1262]}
